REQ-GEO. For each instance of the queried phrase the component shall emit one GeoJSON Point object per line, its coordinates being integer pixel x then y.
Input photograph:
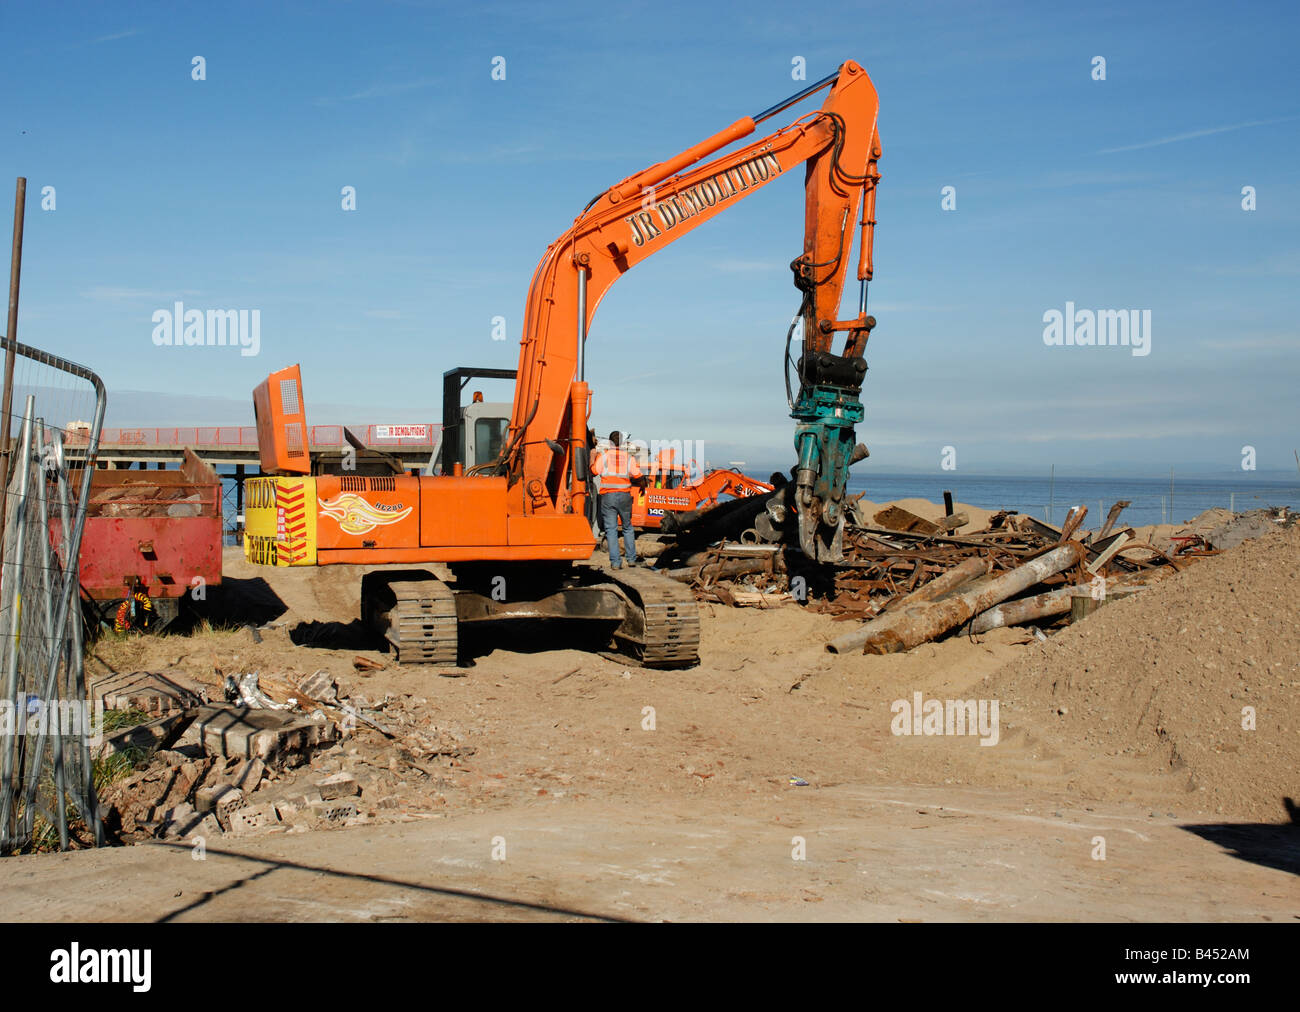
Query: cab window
{"type": "Point", "coordinates": [489, 433]}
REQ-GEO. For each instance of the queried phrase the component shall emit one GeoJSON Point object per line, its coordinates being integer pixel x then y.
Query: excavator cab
{"type": "Point", "coordinates": [474, 433]}
{"type": "Point", "coordinates": [483, 432]}
{"type": "Point", "coordinates": [665, 472]}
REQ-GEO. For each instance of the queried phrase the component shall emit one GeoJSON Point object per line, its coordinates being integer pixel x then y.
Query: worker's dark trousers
{"type": "Point", "coordinates": [615, 506]}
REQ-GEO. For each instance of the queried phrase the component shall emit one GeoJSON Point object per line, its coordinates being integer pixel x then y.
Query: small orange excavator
{"type": "Point", "coordinates": [670, 488]}
{"type": "Point", "coordinates": [515, 533]}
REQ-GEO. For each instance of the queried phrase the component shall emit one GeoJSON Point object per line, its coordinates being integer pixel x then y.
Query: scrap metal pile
{"type": "Point", "coordinates": [914, 580]}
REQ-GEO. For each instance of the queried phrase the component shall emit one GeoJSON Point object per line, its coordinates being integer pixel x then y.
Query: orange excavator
{"type": "Point", "coordinates": [670, 488]}
{"type": "Point", "coordinates": [514, 533]}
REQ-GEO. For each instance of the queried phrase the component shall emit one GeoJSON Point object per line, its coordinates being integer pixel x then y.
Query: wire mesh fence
{"type": "Point", "coordinates": [1188, 502]}
{"type": "Point", "coordinates": [49, 728]}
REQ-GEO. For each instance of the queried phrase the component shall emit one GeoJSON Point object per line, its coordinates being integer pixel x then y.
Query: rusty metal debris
{"type": "Point", "coordinates": [927, 620]}
{"type": "Point", "coordinates": [911, 579]}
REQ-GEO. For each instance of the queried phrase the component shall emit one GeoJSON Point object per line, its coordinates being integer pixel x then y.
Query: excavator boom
{"type": "Point", "coordinates": [644, 213]}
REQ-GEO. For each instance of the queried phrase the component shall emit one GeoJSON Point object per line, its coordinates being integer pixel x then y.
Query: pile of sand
{"type": "Point", "coordinates": [1177, 673]}
{"type": "Point", "coordinates": [979, 518]}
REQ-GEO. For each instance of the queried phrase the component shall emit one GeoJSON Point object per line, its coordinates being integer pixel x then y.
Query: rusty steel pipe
{"type": "Point", "coordinates": [1053, 602]}
{"type": "Point", "coordinates": [972, 569]}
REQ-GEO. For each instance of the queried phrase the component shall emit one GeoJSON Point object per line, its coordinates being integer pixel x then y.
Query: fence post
{"type": "Point", "coordinates": [11, 332]}
{"type": "Point", "coordinates": [12, 592]}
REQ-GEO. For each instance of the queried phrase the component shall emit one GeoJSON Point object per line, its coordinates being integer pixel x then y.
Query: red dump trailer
{"type": "Point", "coordinates": [151, 538]}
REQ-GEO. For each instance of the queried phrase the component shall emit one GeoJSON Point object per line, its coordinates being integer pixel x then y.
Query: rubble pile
{"type": "Point", "coordinates": [254, 764]}
{"type": "Point", "coordinates": [141, 499]}
{"type": "Point", "coordinates": [1222, 530]}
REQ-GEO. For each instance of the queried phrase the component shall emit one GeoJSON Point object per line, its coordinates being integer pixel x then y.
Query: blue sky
{"type": "Point", "coordinates": [1117, 194]}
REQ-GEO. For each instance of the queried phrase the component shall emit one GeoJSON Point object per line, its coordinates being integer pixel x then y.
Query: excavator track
{"type": "Point", "coordinates": [418, 618]}
{"type": "Point", "coordinates": [422, 627]}
{"type": "Point", "coordinates": [417, 614]}
{"type": "Point", "coordinates": [662, 629]}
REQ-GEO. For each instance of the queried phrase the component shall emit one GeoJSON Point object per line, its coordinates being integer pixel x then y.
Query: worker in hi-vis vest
{"type": "Point", "coordinates": [617, 472]}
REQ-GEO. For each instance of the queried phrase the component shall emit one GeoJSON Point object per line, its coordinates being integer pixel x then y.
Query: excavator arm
{"type": "Point", "coordinates": [545, 454]}
{"type": "Point", "coordinates": [725, 481]}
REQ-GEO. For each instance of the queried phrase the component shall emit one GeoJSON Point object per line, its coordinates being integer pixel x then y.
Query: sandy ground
{"type": "Point", "coordinates": [1117, 789]}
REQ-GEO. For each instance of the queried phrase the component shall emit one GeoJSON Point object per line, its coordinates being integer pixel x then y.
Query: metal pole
{"type": "Point", "coordinates": [12, 590]}
{"type": "Point", "coordinates": [86, 800]}
{"type": "Point", "coordinates": [50, 694]}
{"type": "Point", "coordinates": [785, 103]}
{"type": "Point", "coordinates": [11, 332]}
{"type": "Point", "coordinates": [64, 602]}
{"type": "Point", "coordinates": [72, 655]}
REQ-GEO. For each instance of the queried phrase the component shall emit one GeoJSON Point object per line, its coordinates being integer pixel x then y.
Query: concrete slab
{"type": "Point", "coordinates": [158, 693]}
{"type": "Point", "coordinates": [280, 740]}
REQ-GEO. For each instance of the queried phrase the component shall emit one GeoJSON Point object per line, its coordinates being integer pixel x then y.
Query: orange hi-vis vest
{"type": "Point", "coordinates": [615, 468]}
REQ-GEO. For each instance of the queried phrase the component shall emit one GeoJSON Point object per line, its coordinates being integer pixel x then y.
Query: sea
{"type": "Point", "coordinates": [1046, 497]}
{"type": "Point", "coordinates": [1153, 500]}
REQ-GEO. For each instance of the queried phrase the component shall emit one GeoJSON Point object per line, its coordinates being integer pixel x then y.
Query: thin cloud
{"type": "Point", "coordinates": [116, 36]}
{"type": "Point", "coordinates": [1089, 434]}
{"type": "Point", "coordinates": [1277, 265]}
{"type": "Point", "coordinates": [518, 153]}
{"type": "Point", "coordinates": [1193, 134]}
{"type": "Point", "coordinates": [745, 266]}
{"type": "Point", "coordinates": [112, 294]}
{"type": "Point", "coordinates": [533, 153]}
{"type": "Point", "coordinates": [1287, 343]}
{"type": "Point", "coordinates": [914, 307]}
{"type": "Point", "coordinates": [1062, 180]}
{"type": "Point", "coordinates": [382, 91]}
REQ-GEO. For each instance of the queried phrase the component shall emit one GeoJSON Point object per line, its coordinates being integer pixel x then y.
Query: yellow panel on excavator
{"type": "Point", "coordinates": [280, 521]}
